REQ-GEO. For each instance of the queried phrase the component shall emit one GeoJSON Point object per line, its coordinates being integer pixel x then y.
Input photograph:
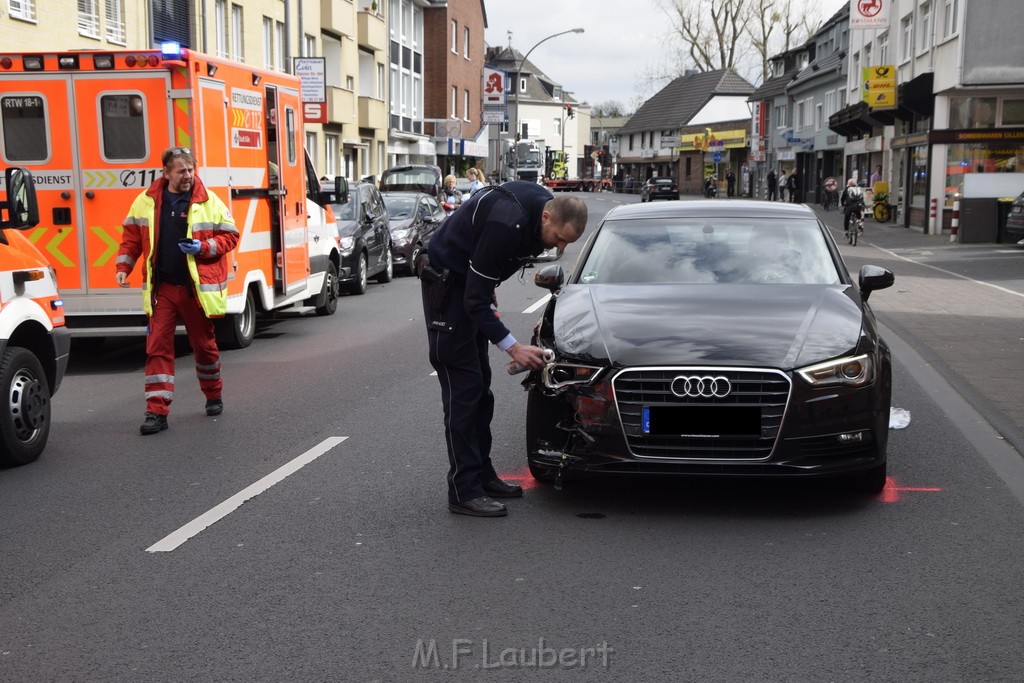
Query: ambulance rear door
{"type": "Point", "coordinates": [287, 146]}
{"type": "Point", "coordinates": [93, 140]}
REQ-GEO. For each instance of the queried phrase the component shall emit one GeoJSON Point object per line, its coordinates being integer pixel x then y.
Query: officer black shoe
{"type": "Point", "coordinates": [154, 423]}
{"type": "Point", "coordinates": [479, 507]}
{"type": "Point", "coordinates": [214, 406]}
{"type": "Point", "coordinates": [500, 489]}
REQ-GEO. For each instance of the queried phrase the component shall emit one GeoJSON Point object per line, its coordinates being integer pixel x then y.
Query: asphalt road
{"type": "Point", "coordinates": [351, 569]}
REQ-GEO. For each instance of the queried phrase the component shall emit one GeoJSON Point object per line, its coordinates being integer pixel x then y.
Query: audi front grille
{"type": "Point", "coordinates": [691, 400]}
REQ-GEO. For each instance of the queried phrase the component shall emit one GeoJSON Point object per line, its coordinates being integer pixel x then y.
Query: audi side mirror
{"type": "Point", "coordinates": [872, 278]}
{"type": "Point", "coordinates": [550, 278]}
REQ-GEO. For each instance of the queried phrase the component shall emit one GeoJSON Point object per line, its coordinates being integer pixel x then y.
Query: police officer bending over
{"type": "Point", "coordinates": [491, 237]}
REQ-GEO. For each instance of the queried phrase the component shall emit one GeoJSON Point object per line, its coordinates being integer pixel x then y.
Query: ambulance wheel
{"type": "Point", "coordinates": [330, 293]}
{"type": "Point", "coordinates": [236, 331]}
{"type": "Point", "coordinates": [388, 273]}
{"type": "Point", "coordinates": [25, 419]}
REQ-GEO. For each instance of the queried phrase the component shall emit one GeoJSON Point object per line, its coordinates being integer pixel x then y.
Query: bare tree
{"type": "Point", "coordinates": [608, 108]}
{"type": "Point", "coordinates": [737, 34]}
{"type": "Point", "coordinates": [711, 31]}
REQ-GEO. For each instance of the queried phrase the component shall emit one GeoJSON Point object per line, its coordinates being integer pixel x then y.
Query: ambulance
{"type": "Point", "coordinates": [91, 127]}
{"type": "Point", "coordinates": [34, 341]}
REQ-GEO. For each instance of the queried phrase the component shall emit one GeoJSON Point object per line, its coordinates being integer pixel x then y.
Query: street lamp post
{"type": "Point", "coordinates": [519, 70]}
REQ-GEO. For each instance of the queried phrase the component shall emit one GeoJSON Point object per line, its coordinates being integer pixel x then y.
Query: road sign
{"type": "Point", "coordinates": [831, 184]}
{"type": "Point", "coordinates": [717, 157]}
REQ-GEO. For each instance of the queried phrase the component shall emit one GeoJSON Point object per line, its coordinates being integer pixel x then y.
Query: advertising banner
{"type": "Point", "coordinates": [879, 90]}
{"type": "Point", "coordinates": [869, 13]}
{"type": "Point", "coordinates": [494, 94]}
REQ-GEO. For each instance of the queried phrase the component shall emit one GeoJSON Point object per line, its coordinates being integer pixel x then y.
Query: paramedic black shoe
{"type": "Point", "coordinates": [500, 489]}
{"type": "Point", "coordinates": [214, 406]}
{"type": "Point", "coordinates": [154, 423]}
{"type": "Point", "coordinates": [479, 507]}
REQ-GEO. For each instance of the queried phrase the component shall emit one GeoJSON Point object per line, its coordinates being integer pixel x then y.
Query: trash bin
{"type": "Point", "coordinates": [1005, 204]}
{"type": "Point", "coordinates": [979, 220]}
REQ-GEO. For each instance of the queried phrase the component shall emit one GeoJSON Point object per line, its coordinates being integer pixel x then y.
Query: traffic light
{"type": "Point", "coordinates": [569, 111]}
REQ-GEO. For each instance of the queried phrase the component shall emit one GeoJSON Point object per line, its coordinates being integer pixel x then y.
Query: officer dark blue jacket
{"type": "Point", "coordinates": [492, 235]}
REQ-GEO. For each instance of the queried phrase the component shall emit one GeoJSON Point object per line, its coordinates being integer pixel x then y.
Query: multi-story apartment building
{"type": "Point", "coordinates": [452, 83]}
{"type": "Point", "coordinates": [351, 36]}
{"type": "Point", "coordinates": [957, 128]}
{"type": "Point", "coordinates": [408, 140]}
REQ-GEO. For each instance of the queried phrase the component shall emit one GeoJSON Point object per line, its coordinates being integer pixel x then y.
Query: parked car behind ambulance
{"type": "Point", "coordinates": [34, 342]}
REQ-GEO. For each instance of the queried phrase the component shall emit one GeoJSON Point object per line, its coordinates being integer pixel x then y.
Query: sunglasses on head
{"type": "Point", "coordinates": [178, 151]}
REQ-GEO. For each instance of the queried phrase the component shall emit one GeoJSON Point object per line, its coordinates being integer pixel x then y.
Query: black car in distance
{"type": "Point", "coordinates": [711, 338]}
{"type": "Point", "coordinates": [414, 218]}
{"type": "Point", "coordinates": [364, 238]}
{"type": "Point", "coordinates": [659, 188]}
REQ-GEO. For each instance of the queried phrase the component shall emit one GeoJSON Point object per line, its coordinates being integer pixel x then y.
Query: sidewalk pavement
{"type": "Point", "coordinates": [971, 331]}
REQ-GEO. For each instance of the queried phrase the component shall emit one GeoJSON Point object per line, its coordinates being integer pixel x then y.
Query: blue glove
{"type": "Point", "coordinates": [189, 247]}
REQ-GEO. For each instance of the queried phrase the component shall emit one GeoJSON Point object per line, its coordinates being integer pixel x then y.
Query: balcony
{"type": "Point", "coordinates": [341, 105]}
{"type": "Point", "coordinates": [373, 113]}
{"type": "Point", "coordinates": [372, 33]}
{"type": "Point", "coordinates": [337, 17]}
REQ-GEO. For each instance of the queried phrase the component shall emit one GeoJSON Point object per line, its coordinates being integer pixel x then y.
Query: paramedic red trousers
{"type": "Point", "coordinates": [170, 303]}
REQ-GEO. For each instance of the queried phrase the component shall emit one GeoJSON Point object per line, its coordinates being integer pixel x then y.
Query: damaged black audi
{"type": "Point", "coordinates": [711, 338]}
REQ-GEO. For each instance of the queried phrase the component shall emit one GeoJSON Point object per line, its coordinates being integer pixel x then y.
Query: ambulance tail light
{"type": "Point", "coordinates": [6, 62]}
{"type": "Point", "coordinates": [153, 60]}
{"type": "Point", "coordinates": [32, 62]}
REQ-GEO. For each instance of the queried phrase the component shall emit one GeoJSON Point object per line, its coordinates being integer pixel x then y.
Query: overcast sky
{"type": "Point", "coordinates": [620, 43]}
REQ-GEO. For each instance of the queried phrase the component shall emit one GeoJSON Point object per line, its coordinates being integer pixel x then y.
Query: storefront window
{"type": "Point", "coordinates": [979, 158]}
{"type": "Point", "coordinates": [1013, 112]}
{"type": "Point", "coordinates": [972, 112]}
{"type": "Point", "coordinates": [919, 176]}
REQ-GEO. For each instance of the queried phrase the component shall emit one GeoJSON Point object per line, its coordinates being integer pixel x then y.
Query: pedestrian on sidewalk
{"type": "Point", "coordinates": [772, 187]}
{"type": "Point", "coordinates": [183, 233]}
{"type": "Point", "coordinates": [782, 186]}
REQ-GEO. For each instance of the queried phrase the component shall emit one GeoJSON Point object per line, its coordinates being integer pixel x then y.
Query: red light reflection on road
{"type": "Point", "coordinates": [521, 477]}
{"type": "Point", "coordinates": [891, 492]}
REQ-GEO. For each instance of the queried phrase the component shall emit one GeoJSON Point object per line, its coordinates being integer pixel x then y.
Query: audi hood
{"type": "Point", "coordinates": [780, 326]}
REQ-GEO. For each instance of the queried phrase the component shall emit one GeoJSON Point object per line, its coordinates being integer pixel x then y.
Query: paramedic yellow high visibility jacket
{"type": "Point", "coordinates": [209, 221]}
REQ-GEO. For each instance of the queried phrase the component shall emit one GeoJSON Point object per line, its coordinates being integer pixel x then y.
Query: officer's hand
{"type": "Point", "coordinates": [122, 279]}
{"type": "Point", "coordinates": [531, 357]}
{"type": "Point", "coordinates": [189, 247]}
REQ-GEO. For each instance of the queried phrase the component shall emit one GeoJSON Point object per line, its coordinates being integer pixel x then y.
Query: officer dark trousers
{"type": "Point", "coordinates": [459, 355]}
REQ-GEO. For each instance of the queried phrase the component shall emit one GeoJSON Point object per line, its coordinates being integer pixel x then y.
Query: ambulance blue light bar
{"type": "Point", "coordinates": [170, 50]}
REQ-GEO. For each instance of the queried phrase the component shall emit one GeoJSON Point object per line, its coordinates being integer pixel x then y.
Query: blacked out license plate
{"type": "Point", "coordinates": [701, 421]}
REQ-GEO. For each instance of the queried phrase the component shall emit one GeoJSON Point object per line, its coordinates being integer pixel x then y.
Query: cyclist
{"type": "Point", "coordinates": [852, 202]}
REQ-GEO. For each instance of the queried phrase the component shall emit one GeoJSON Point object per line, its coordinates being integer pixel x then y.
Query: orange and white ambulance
{"type": "Point", "coordinates": [92, 125]}
{"type": "Point", "coordinates": [34, 342]}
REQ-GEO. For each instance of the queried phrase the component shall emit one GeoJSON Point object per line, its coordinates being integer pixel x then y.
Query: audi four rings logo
{"type": "Point", "coordinates": [701, 387]}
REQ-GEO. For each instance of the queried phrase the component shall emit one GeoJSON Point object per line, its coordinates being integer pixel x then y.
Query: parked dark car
{"type": "Point", "coordinates": [425, 178]}
{"type": "Point", "coordinates": [711, 338]}
{"type": "Point", "coordinates": [659, 188]}
{"type": "Point", "coordinates": [414, 218]}
{"type": "Point", "coordinates": [1015, 221]}
{"type": "Point", "coordinates": [364, 239]}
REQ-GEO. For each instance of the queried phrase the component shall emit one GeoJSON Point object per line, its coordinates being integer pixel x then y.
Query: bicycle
{"type": "Point", "coordinates": [856, 227]}
{"type": "Point", "coordinates": [880, 208]}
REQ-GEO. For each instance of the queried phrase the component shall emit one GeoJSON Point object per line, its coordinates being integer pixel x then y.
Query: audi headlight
{"type": "Point", "coordinates": [347, 244]}
{"type": "Point", "coordinates": [559, 375]}
{"type": "Point", "coordinates": [855, 371]}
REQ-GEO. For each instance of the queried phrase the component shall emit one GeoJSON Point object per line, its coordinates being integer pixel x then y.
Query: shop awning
{"type": "Point", "coordinates": [913, 98]}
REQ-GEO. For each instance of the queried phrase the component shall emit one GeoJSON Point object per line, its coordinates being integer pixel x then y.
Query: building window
{"type": "Point", "coordinates": [220, 24]}
{"type": "Point", "coordinates": [951, 10]}
{"type": "Point", "coordinates": [380, 81]}
{"type": "Point", "coordinates": [331, 155]}
{"type": "Point", "coordinates": [1013, 112]}
{"type": "Point", "coordinates": [268, 43]}
{"type": "Point", "coordinates": [972, 112]}
{"type": "Point", "coordinates": [279, 45]}
{"type": "Point", "coordinates": [311, 145]}
{"type": "Point", "coordinates": [455, 95]}
{"type": "Point", "coordinates": [631, 141]}
{"type": "Point", "coordinates": [907, 29]}
{"type": "Point", "coordinates": [883, 48]}
{"type": "Point", "coordinates": [926, 26]}
{"type": "Point", "coordinates": [455, 36]}
{"type": "Point", "coordinates": [309, 46]}
{"type": "Point", "coordinates": [88, 18]}
{"type": "Point", "coordinates": [23, 9]}
{"type": "Point", "coordinates": [799, 115]}
{"type": "Point", "coordinates": [350, 82]}
{"type": "Point", "coordinates": [115, 22]}
{"type": "Point", "coordinates": [557, 126]}
{"type": "Point", "coordinates": [237, 33]}
{"type": "Point", "coordinates": [465, 105]}
{"type": "Point", "coordinates": [465, 43]}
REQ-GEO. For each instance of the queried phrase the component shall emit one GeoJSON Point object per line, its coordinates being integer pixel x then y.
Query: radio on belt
{"type": "Point", "coordinates": [515, 368]}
